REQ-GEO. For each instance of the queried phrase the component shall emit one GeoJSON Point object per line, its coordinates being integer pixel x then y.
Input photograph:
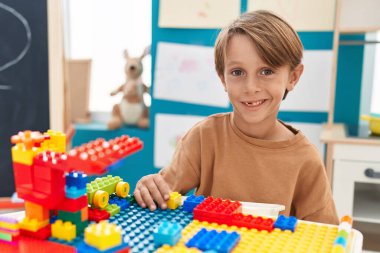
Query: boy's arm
{"type": "Point", "coordinates": [313, 199]}
{"type": "Point", "coordinates": [183, 174]}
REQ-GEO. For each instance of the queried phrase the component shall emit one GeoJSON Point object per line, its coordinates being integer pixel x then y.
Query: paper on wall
{"type": "Point", "coordinates": [169, 128]}
{"type": "Point", "coordinates": [312, 93]}
{"type": "Point", "coordinates": [197, 13]}
{"type": "Point", "coordinates": [186, 73]}
{"type": "Point", "coordinates": [302, 15]}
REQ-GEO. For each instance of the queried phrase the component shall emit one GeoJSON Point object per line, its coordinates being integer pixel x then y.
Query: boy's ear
{"type": "Point", "coordinates": [294, 77]}
{"type": "Point", "coordinates": [221, 77]}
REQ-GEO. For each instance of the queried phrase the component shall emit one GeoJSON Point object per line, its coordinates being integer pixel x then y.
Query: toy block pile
{"type": "Point", "coordinates": [343, 236]}
{"type": "Point", "coordinates": [49, 182]}
{"type": "Point", "coordinates": [9, 229]}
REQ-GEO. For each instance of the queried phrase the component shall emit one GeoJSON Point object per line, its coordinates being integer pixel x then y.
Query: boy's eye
{"type": "Point", "coordinates": [266, 72]}
{"type": "Point", "coordinates": [237, 72]}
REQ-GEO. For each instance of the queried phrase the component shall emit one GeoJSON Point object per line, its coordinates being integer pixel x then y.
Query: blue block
{"type": "Point", "coordinates": [223, 241]}
{"type": "Point", "coordinates": [76, 179]}
{"type": "Point", "coordinates": [74, 193]}
{"type": "Point", "coordinates": [191, 202]}
{"type": "Point", "coordinates": [286, 223]}
{"type": "Point", "coordinates": [121, 202]}
{"type": "Point", "coordinates": [167, 233]}
{"type": "Point", "coordinates": [84, 248]}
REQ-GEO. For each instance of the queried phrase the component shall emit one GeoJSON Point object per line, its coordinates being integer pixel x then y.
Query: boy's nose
{"type": "Point", "coordinates": [252, 86]}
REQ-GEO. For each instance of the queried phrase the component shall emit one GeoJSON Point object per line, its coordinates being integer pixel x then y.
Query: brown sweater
{"type": "Point", "coordinates": [219, 160]}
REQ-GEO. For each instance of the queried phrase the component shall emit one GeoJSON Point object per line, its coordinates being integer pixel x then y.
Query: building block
{"type": "Point", "coordinates": [121, 202]}
{"type": "Point", "coordinates": [217, 210]}
{"type": "Point", "coordinates": [94, 157]}
{"type": "Point", "coordinates": [56, 142]}
{"type": "Point", "coordinates": [42, 233]}
{"type": "Point", "coordinates": [249, 221]}
{"type": "Point", "coordinates": [107, 184]}
{"type": "Point", "coordinates": [174, 200]}
{"type": "Point", "coordinates": [23, 174]}
{"type": "Point", "coordinates": [286, 223]}
{"type": "Point", "coordinates": [74, 217]}
{"type": "Point", "coordinates": [191, 202]}
{"type": "Point", "coordinates": [53, 160]}
{"type": "Point", "coordinates": [63, 230]}
{"type": "Point", "coordinates": [167, 233]}
{"type": "Point", "coordinates": [32, 225]}
{"type": "Point", "coordinates": [73, 205]}
{"type": "Point", "coordinates": [74, 193]}
{"type": "Point", "coordinates": [103, 235]}
{"type": "Point", "coordinates": [179, 249]}
{"type": "Point", "coordinates": [97, 215]}
{"type": "Point", "coordinates": [49, 201]}
{"type": "Point", "coordinates": [213, 240]}
{"type": "Point", "coordinates": [36, 211]}
{"type": "Point", "coordinates": [84, 213]}
{"type": "Point", "coordinates": [77, 179]}
{"type": "Point", "coordinates": [112, 209]}
{"type": "Point", "coordinates": [26, 146]}
{"type": "Point", "coordinates": [22, 155]}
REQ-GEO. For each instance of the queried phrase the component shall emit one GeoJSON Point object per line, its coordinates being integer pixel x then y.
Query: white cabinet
{"type": "Point", "coordinates": [356, 181]}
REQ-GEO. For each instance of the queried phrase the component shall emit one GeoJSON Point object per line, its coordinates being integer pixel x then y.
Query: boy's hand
{"type": "Point", "coordinates": [152, 189]}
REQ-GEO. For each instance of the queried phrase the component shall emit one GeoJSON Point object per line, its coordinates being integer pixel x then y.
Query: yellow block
{"type": "Point", "coordinates": [103, 235]}
{"type": "Point", "coordinates": [56, 143]}
{"type": "Point", "coordinates": [22, 155]}
{"type": "Point", "coordinates": [63, 230]}
{"type": "Point", "coordinates": [10, 226]}
{"type": "Point", "coordinates": [32, 224]}
{"type": "Point", "coordinates": [174, 201]}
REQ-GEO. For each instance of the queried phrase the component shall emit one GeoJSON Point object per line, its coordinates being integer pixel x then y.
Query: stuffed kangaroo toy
{"type": "Point", "coordinates": [131, 110]}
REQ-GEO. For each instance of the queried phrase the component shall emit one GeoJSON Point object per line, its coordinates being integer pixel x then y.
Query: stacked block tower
{"type": "Point", "coordinates": [53, 188]}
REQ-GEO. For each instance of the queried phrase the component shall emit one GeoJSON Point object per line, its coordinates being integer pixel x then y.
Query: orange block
{"type": "Point", "coordinates": [84, 213]}
{"type": "Point", "coordinates": [35, 211]}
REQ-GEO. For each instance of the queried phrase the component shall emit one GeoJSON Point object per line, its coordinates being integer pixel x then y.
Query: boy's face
{"type": "Point", "coordinates": [255, 89]}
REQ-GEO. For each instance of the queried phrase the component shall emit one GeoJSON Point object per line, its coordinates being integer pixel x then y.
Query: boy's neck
{"type": "Point", "coordinates": [269, 129]}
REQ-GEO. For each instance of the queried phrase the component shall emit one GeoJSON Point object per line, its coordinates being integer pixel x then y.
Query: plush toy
{"type": "Point", "coordinates": [132, 109]}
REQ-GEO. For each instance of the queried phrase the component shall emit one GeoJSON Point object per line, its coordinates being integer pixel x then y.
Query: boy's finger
{"type": "Point", "coordinates": [163, 187]}
{"type": "Point", "coordinates": [138, 198]}
{"type": "Point", "coordinates": [155, 192]}
{"type": "Point", "coordinates": [147, 198]}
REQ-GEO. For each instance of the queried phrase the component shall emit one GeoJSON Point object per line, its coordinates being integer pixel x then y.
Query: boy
{"type": "Point", "coordinates": [248, 154]}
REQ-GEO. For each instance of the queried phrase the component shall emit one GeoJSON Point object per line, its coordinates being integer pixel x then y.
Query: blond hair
{"type": "Point", "coordinates": [276, 41]}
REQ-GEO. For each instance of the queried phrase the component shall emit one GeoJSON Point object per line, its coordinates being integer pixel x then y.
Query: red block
{"type": "Point", "coordinates": [23, 174]}
{"type": "Point", "coordinates": [97, 215]}
{"type": "Point", "coordinates": [125, 250]}
{"type": "Point", "coordinates": [217, 210]}
{"type": "Point", "coordinates": [249, 221]}
{"type": "Point", "coordinates": [73, 205]}
{"type": "Point", "coordinates": [53, 160]}
{"type": "Point", "coordinates": [95, 156]}
{"type": "Point", "coordinates": [42, 233]}
{"type": "Point", "coordinates": [48, 201]}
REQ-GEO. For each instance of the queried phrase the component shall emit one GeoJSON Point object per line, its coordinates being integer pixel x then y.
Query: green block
{"type": "Point", "coordinates": [5, 237]}
{"type": "Point", "coordinates": [107, 184]}
{"type": "Point", "coordinates": [81, 226]}
{"type": "Point", "coordinates": [74, 217]}
{"type": "Point", "coordinates": [112, 209]}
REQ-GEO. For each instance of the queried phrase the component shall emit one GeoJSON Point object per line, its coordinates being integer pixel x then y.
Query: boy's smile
{"type": "Point", "coordinates": [255, 88]}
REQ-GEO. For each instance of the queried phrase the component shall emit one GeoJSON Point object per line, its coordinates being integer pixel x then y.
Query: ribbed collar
{"type": "Point", "coordinates": [268, 143]}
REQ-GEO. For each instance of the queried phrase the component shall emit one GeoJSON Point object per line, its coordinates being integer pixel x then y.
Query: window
{"type": "Point", "coordinates": [100, 30]}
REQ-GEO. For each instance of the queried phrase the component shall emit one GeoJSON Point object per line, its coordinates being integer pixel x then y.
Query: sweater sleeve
{"type": "Point", "coordinates": [183, 173]}
{"type": "Point", "coordinates": [313, 199]}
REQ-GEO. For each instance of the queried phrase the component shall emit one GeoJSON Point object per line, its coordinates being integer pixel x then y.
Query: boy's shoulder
{"type": "Point", "coordinates": [209, 126]}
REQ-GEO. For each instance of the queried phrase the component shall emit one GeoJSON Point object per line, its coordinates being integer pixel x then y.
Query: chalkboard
{"type": "Point", "coordinates": [24, 75]}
